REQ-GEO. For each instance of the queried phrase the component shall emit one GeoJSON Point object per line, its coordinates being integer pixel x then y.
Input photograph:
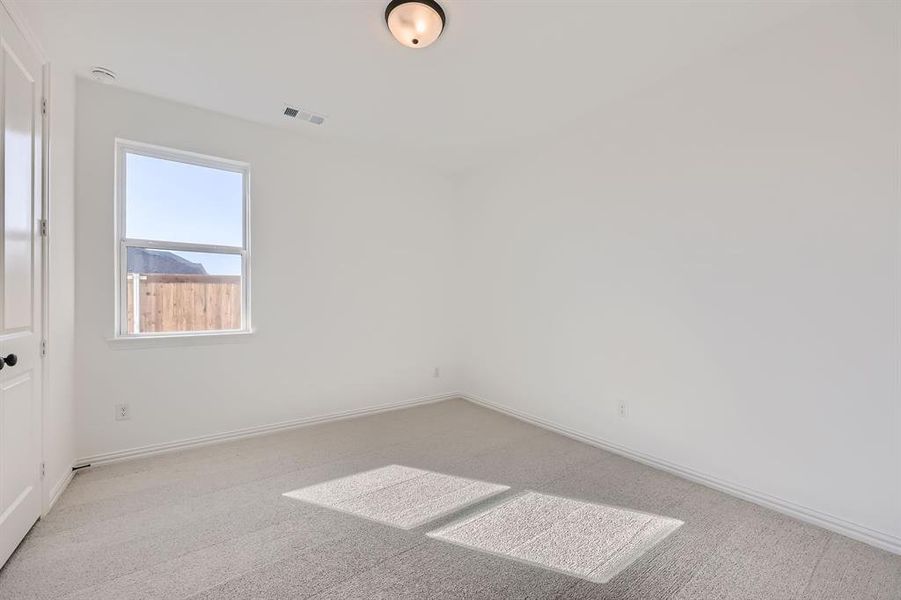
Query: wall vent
{"type": "Point", "coordinates": [304, 115]}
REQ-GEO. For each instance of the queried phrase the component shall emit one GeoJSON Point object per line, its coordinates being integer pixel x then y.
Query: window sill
{"type": "Point", "coordinates": [124, 342]}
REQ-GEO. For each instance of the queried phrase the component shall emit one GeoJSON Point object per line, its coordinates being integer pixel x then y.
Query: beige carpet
{"type": "Point", "coordinates": [211, 523]}
{"type": "Point", "coordinates": [586, 540]}
{"type": "Point", "coordinates": [397, 495]}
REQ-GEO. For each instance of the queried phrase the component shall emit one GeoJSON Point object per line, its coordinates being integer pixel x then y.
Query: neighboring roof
{"type": "Point", "coordinates": [143, 260]}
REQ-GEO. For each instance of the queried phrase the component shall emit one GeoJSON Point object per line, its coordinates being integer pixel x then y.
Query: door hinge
{"type": "Point", "coordinates": [43, 348]}
{"type": "Point", "coordinates": [44, 227]}
{"type": "Point", "coordinates": [44, 106]}
{"type": "Point", "coordinates": [43, 469]}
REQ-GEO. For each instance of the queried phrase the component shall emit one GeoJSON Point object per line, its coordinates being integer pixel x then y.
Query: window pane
{"type": "Point", "coordinates": [178, 202]}
{"type": "Point", "coordinates": [182, 291]}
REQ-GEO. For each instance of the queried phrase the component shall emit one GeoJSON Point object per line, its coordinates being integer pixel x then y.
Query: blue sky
{"type": "Point", "coordinates": [177, 202]}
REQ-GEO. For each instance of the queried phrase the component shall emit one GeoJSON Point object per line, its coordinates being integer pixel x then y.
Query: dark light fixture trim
{"type": "Point", "coordinates": [429, 3]}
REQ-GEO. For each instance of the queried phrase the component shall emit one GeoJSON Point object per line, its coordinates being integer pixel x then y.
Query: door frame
{"type": "Point", "coordinates": [46, 502]}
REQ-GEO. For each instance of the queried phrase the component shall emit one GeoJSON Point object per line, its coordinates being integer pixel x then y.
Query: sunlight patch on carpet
{"type": "Point", "coordinates": [590, 541]}
{"type": "Point", "coordinates": [399, 496]}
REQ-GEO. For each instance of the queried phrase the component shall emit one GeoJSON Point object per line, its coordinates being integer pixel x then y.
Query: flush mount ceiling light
{"type": "Point", "coordinates": [415, 23]}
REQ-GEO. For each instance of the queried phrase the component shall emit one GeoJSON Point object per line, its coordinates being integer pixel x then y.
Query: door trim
{"type": "Point", "coordinates": [46, 502]}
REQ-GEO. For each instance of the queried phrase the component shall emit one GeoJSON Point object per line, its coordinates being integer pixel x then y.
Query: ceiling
{"type": "Point", "coordinates": [502, 72]}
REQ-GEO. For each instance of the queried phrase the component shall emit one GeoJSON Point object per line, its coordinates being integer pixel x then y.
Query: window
{"type": "Point", "coordinates": [182, 233]}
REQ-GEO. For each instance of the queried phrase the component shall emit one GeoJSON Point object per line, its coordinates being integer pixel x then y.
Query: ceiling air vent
{"type": "Point", "coordinates": [304, 115]}
{"type": "Point", "coordinates": [103, 75]}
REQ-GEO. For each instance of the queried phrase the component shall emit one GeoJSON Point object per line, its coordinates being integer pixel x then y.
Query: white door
{"type": "Point", "coordinates": [20, 287]}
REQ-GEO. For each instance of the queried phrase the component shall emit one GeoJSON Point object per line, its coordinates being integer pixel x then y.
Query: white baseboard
{"type": "Point", "coordinates": [108, 457]}
{"type": "Point", "coordinates": [58, 489]}
{"type": "Point", "coordinates": [879, 539]}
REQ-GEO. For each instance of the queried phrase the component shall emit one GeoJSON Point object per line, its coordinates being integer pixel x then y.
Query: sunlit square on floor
{"type": "Point", "coordinates": [591, 541]}
{"type": "Point", "coordinates": [399, 496]}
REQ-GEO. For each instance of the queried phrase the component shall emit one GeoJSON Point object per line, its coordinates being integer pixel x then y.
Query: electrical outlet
{"type": "Point", "coordinates": [622, 409]}
{"type": "Point", "coordinates": [122, 412]}
{"type": "Point", "coordinates": [436, 372]}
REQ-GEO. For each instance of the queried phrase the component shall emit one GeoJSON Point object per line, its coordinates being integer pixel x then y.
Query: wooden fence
{"type": "Point", "coordinates": [184, 302]}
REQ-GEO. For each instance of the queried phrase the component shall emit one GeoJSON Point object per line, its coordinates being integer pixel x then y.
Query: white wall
{"type": "Point", "coordinates": [722, 254]}
{"type": "Point", "coordinates": [59, 394]}
{"type": "Point", "coordinates": [350, 288]}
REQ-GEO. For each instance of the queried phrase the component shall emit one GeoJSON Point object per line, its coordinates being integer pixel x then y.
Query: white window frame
{"type": "Point", "coordinates": [124, 147]}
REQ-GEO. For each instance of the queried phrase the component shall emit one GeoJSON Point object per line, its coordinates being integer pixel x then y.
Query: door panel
{"type": "Point", "coordinates": [18, 407]}
{"type": "Point", "coordinates": [20, 286]}
{"type": "Point", "coordinates": [18, 137]}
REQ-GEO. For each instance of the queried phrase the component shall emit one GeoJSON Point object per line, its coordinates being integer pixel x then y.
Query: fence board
{"type": "Point", "coordinates": [186, 303]}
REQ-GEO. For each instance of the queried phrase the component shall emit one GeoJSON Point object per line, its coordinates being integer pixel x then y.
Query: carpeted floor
{"type": "Point", "coordinates": [397, 495]}
{"type": "Point", "coordinates": [213, 523]}
{"type": "Point", "coordinates": [583, 539]}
